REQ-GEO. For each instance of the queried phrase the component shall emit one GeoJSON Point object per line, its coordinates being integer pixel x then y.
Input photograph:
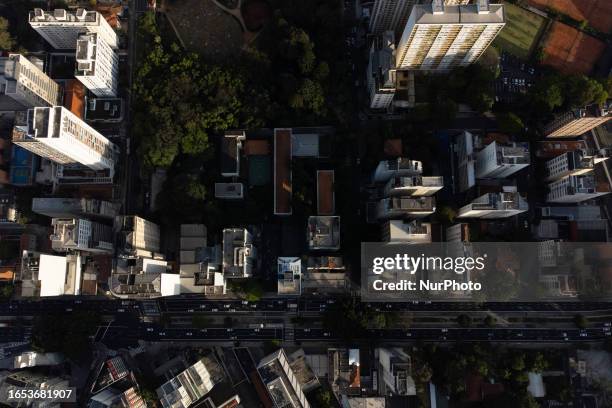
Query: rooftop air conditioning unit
{"type": "Point", "coordinates": [81, 13]}
{"type": "Point", "coordinates": [60, 14]}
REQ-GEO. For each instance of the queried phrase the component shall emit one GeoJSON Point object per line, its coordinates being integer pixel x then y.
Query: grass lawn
{"type": "Point", "coordinates": [521, 31]}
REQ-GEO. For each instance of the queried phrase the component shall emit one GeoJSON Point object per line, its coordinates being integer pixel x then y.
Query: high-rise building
{"type": "Point", "coordinates": [577, 122]}
{"type": "Point", "coordinates": [439, 37]}
{"type": "Point", "coordinates": [575, 223]}
{"type": "Point", "coordinates": [50, 275]}
{"type": "Point", "coordinates": [138, 234]}
{"type": "Point", "coordinates": [500, 161]}
{"type": "Point", "coordinates": [61, 28]}
{"type": "Point", "coordinates": [495, 205]}
{"type": "Point", "coordinates": [97, 65]}
{"type": "Point", "coordinates": [239, 254]}
{"type": "Point", "coordinates": [458, 233]}
{"type": "Point", "coordinates": [574, 189]}
{"type": "Point", "coordinates": [405, 207]}
{"type": "Point", "coordinates": [415, 186]}
{"type": "Point", "coordinates": [406, 231]}
{"type": "Point", "coordinates": [323, 233]}
{"type": "Point", "coordinates": [192, 384]}
{"type": "Point", "coordinates": [289, 276]}
{"type": "Point", "coordinates": [24, 85]}
{"type": "Point", "coordinates": [394, 372]}
{"type": "Point", "coordinates": [571, 163]}
{"type": "Point", "coordinates": [80, 234]}
{"type": "Point", "coordinates": [399, 167]}
{"type": "Point", "coordinates": [280, 381]}
{"type": "Point", "coordinates": [56, 207]}
{"type": "Point", "coordinates": [57, 134]}
{"type": "Point", "coordinates": [381, 71]}
{"type": "Point", "coordinates": [466, 161]}
{"type": "Point", "coordinates": [390, 15]}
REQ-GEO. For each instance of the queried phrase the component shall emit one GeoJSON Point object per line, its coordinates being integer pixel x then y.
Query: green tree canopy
{"type": "Point", "coordinates": [68, 334]}
{"type": "Point", "coordinates": [7, 42]}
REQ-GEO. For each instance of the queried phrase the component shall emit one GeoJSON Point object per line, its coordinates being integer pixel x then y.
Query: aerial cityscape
{"type": "Point", "coordinates": [306, 203]}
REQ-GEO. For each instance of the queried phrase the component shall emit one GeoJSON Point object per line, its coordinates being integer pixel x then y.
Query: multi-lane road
{"type": "Point", "coordinates": [124, 325]}
{"type": "Point", "coordinates": [187, 305]}
{"type": "Point", "coordinates": [124, 335]}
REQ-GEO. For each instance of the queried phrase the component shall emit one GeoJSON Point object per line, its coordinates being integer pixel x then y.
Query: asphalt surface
{"type": "Point", "coordinates": [122, 335]}
{"type": "Point", "coordinates": [188, 305]}
{"type": "Point", "coordinates": [498, 334]}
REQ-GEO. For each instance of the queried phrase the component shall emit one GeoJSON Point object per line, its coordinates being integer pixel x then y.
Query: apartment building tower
{"type": "Point", "coordinates": [390, 15]}
{"type": "Point", "coordinates": [572, 163]}
{"type": "Point", "coordinates": [381, 71]}
{"type": "Point", "coordinates": [97, 65]}
{"type": "Point", "coordinates": [575, 189]}
{"type": "Point", "coordinates": [495, 205]}
{"type": "Point", "coordinates": [498, 161]}
{"type": "Point", "coordinates": [438, 37]}
{"type": "Point", "coordinates": [61, 28]}
{"type": "Point", "coordinates": [57, 207]}
{"type": "Point", "coordinates": [81, 234]}
{"type": "Point", "coordinates": [577, 122]}
{"type": "Point", "coordinates": [281, 382]}
{"type": "Point", "coordinates": [415, 186]}
{"type": "Point", "coordinates": [399, 167]}
{"type": "Point", "coordinates": [138, 234]}
{"type": "Point", "coordinates": [57, 134]}
{"type": "Point", "coordinates": [24, 85]}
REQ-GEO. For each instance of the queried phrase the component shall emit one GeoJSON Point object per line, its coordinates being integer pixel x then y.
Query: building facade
{"type": "Point", "coordinates": [571, 163]}
{"type": "Point", "coordinates": [415, 186]}
{"type": "Point", "coordinates": [97, 65]}
{"type": "Point", "coordinates": [405, 207]}
{"type": "Point", "coordinates": [59, 135]}
{"type": "Point", "coordinates": [387, 169]}
{"type": "Point", "coordinates": [495, 205]}
{"type": "Point", "coordinates": [26, 84]}
{"type": "Point", "coordinates": [80, 234]}
{"type": "Point", "coordinates": [577, 122]}
{"type": "Point", "coordinates": [440, 38]}
{"type": "Point", "coordinates": [280, 381]}
{"type": "Point", "coordinates": [500, 161]}
{"type": "Point", "coordinates": [381, 71]}
{"type": "Point", "coordinates": [390, 15]}
{"type": "Point", "coordinates": [575, 189]}
{"type": "Point", "coordinates": [406, 231]}
{"type": "Point", "coordinates": [57, 207]}
{"type": "Point", "coordinates": [61, 28]}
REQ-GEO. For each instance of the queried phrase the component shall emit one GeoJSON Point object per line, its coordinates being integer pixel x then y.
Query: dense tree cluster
{"type": "Point", "coordinates": [7, 42]}
{"type": "Point", "coordinates": [181, 101]}
{"type": "Point", "coordinates": [451, 366]}
{"type": "Point", "coordinates": [555, 91]}
{"type": "Point", "coordinates": [67, 334]}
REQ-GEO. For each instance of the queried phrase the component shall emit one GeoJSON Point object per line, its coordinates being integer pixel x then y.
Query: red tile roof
{"type": "Point", "coordinates": [74, 97]}
{"type": "Point", "coordinates": [256, 147]}
{"type": "Point", "coordinates": [282, 171]}
{"type": "Point", "coordinates": [325, 192]}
